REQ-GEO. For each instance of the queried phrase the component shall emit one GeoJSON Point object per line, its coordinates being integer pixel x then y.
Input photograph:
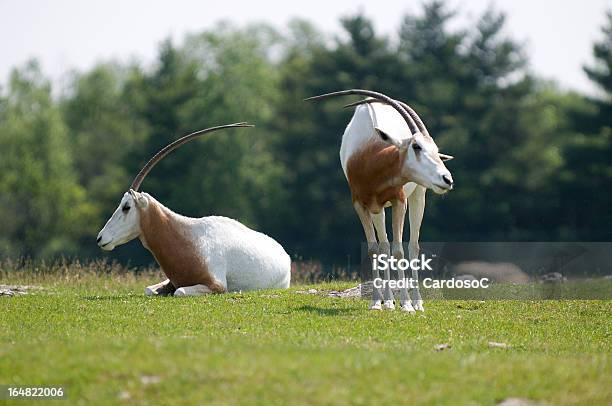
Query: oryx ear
{"type": "Point", "coordinates": [388, 139]}
{"type": "Point", "coordinates": [445, 157]}
{"type": "Point", "coordinates": [140, 199]}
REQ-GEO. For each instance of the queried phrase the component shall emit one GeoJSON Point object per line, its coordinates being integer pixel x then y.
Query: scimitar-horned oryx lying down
{"type": "Point", "coordinates": [204, 255]}
{"type": "Point", "coordinates": [389, 158]}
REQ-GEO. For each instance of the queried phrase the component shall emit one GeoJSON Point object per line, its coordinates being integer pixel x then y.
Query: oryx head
{"type": "Point", "coordinates": [124, 224]}
{"type": "Point", "coordinates": [422, 162]}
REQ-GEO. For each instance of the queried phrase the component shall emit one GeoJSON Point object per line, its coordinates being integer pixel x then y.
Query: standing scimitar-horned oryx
{"type": "Point", "coordinates": [389, 159]}
{"type": "Point", "coordinates": [198, 255]}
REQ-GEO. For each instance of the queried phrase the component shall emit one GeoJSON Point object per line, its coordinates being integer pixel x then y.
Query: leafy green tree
{"type": "Point", "coordinates": [43, 210]}
{"type": "Point", "coordinates": [104, 131]}
{"type": "Point", "coordinates": [219, 76]}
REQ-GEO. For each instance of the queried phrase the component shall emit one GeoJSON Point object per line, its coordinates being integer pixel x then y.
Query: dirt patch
{"type": "Point", "coordinates": [16, 290]}
{"type": "Point", "coordinates": [307, 292]}
{"type": "Point", "coordinates": [363, 290]}
{"type": "Point", "coordinates": [350, 292]}
{"type": "Point", "coordinates": [493, 344]}
{"type": "Point", "coordinates": [517, 402]}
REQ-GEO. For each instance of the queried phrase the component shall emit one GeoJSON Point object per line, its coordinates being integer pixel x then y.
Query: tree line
{"type": "Point", "coordinates": [533, 161]}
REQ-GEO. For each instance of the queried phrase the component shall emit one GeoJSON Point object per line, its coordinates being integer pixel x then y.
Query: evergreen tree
{"type": "Point", "coordinates": [587, 174]}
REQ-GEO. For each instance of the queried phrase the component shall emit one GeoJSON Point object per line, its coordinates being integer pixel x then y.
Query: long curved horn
{"type": "Point", "coordinates": [174, 145]}
{"type": "Point", "coordinates": [420, 124]}
{"type": "Point", "coordinates": [360, 102]}
{"type": "Point", "coordinates": [379, 96]}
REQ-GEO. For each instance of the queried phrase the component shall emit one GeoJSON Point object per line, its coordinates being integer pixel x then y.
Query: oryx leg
{"type": "Point", "coordinates": [165, 288]}
{"type": "Point", "coordinates": [195, 290]}
{"type": "Point", "coordinates": [383, 243]}
{"type": "Point", "coordinates": [416, 208]}
{"type": "Point", "coordinates": [399, 215]}
{"type": "Point", "coordinates": [366, 221]}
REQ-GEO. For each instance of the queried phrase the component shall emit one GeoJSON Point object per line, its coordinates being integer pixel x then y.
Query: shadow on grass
{"type": "Point", "coordinates": [324, 311]}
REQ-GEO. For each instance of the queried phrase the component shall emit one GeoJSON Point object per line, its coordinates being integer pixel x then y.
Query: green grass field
{"type": "Point", "coordinates": [102, 339]}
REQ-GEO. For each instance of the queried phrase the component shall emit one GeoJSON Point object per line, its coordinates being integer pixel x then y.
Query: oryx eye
{"type": "Point", "coordinates": [125, 208]}
{"type": "Point", "coordinates": [416, 147]}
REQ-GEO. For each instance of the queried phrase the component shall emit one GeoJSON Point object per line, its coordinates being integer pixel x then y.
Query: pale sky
{"type": "Point", "coordinates": [73, 34]}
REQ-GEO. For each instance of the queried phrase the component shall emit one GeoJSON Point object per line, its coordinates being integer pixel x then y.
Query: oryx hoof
{"type": "Point", "coordinates": [376, 305]}
{"type": "Point", "coordinates": [388, 304]}
{"type": "Point", "coordinates": [407, 307]}
{"type": "Point", "coordinates": [418, 305]}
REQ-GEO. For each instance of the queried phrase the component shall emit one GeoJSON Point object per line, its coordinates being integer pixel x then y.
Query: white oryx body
{"type": "Point", "coordinates": [389, 159]}
{"type": "Point", "coordinates": [240, 258]}
{"type": "Point", "coordinates": [361, 132]}
{"type": "Point", "coordinates": [198, 255]}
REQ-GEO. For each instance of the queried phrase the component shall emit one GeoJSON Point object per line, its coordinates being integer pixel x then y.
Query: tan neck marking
{"type": "Point", "coordinates": [173, 249]}
{"type": "Point", "coordinates": [374, 175]}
